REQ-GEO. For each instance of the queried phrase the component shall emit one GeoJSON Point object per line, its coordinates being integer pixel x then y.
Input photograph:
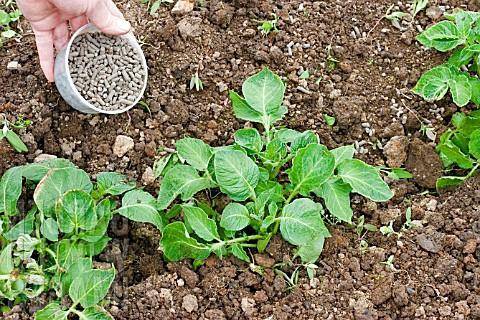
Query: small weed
{"type": "Point", "coordinates": [388, 230]}
{"type": "Point", "coordinates": [329, 120]}
{"type": "Point", "coordinates": [396, 16]}
{"type": "Point", "coordinates": [195, 82]}
{"type": "Point", "coordinates": [153, 6]}
{"type": "Point", "coordinates": [332, 63]}
{"type": "Point", "coordinates": [8, 133]}
{"type": "Point", "coordinates": [268, 26]}
{"type": "Point", "coordinates": [389, 263]}
{"type": "Point", "coordinates": [428, 131]}
{"type": "Point", "coordinates": [305, 74]}
{"type": "Point", "coordinates": [9, 14]}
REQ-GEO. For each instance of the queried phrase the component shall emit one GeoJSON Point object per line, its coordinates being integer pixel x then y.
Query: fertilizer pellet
{"type": "Point", "coordinates": [107, 71]}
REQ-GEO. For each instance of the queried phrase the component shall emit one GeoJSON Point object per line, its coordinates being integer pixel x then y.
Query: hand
{"type": "Point", "coordinates": [50, 21]}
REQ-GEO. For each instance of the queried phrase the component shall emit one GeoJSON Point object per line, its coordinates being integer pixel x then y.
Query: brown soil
{"type": "Point", "coordinates": [436, 272]}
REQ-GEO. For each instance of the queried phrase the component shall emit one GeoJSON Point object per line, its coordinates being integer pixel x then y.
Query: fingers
{"type": "Point", "coordinates": [106, 16]}
{"type": "Point", "coordinates": [61, 34]}
{"type": "Point", "coordinates": [44, 40]}
{"type": "Point", "coordinates": [78, 22]}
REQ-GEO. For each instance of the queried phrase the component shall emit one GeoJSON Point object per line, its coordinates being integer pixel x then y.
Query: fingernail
{"type": "Point", "coordinates": [123, 26]}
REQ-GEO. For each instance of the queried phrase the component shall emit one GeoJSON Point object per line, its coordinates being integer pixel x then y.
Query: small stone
{"type": "Point", "coordinates": [180, 282]}
{"type": "Point", "coordinates": [148, 177]}
{"type": "Point", "coordinates": [445, 311]}
{"type": "Point", "coordinates": [44, 157]}
{"type": "Point", "coordinates": [248, 306]}
{"type": "Point", "coordinates": [432, 205]}
{"type": "Point", "coordinates": [470, 246]}
{"type": "Point", "coordinates": [190, 303]}
{"type": "Point", "coordinates": [264, 260]}
{"type": "Point", "coordinates": [122, 145]}
{"type": "Point", "coordinates": [77, 156]}
{"type": "Point", "coordinates": [428, 244]}
{"type": "Point", "coordinates": [434, 12]}
{"type": "Point", "coordinates": [13, 65]}
{"type": "Point", "coordinates": [183, 6]}
{"type": "Point", "coordinates": [396, 151]}
{"type": "Point", "coordinates": [190, 27]}
{"type": "Point", "coordinates": [166, 294]}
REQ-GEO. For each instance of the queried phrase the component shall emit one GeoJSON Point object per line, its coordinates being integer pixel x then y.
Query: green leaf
{"type": "Point", "coordinates": [6, 260]}
{"type": "Point", "coordinates": [53, 311]}
{"type": "Point", "coordinates": [286, 135]}
{"type": "Point", "coordinates": [239, 252]}
{"type": "Point", "coordinates": [249, 138]}
{"type": "Point", "coordinates": [273, 193]}
{"type": "Point", "coordinates": [462, 56]}
{"type": "Point", "coordinates": [177, 244]}
{"type": "Point", "coordinates": [264, 92]}
{"type": "Point", "coordinates": [474, 144]}
{"type": "Point", "coordinates": [23, 227]}
{"type": "Point", "coordinates": [443, 36]}
{"type": "Point", "coordinates": [343, 153]}
{"type": "Point", "coordinates": [276, 150]}
{"type": "Point", "coordinates": [242, 110]}
{"type": "Point", "coordinates": [90, 287]}
{"type": "Point", "coordinates": [461, 90]}
{"type": "Point", "coordinates": [433, 84]}
{"type": "Point", "coordinates": [12, 137]}
{"type": "Point", "coordinates": [160, 165]}
{"type": "Point", "coordinates": [365, 180]}
{"type": "Point", "coordinates": [303, 140]}
{"type": "Point", "coordinates": [236, 174]}
{"type": "Point", "coordinates": [139, 206]}
{"type": "Point", "coordinates": [399, 173]}
{"type": "Point", "coordinates": [195, 152]}
{"type": "Point", "coordinates": [311, 167]}
{"type": "Point", "coordinates": [181, 180]}
{"type": "Point", "coordinates": [49, 229]}
{"type": "Point", "coordinates": [67, 253]}
{"type": "Point", "coordinates": [310, 252]}
{"type": "Point", "coordinates": [301, 222]}
{"type": "Point", "coordinates": [75, 210]}
{"type": "Point", "coordinates": [56, 183]}
{"type": "Point", "coordinates": [455, 155]}
{"type": "Point", "coordinates": [76, 269]}
{"type": "Point", "coordinates": [155, 6]}
{"type": "Point", "coordinates": [475, 85]}
{"type": "Point", "coordinates": [36, 171]}
{"type": "Point", "coordinates": [104, 215]}
{"type": "Point", "coordinates": [94, 313]}
{"type": "Point", "coordinates": [329, 120]}
{"type": "Point", "coordinates": [235, 217]}
{"type": "Point", "coordinates": [201, 224]}
{"type": "Point", "coordinates": [92, 249]}
{"type": "Point", "coordinates": [113, 183]}
{"type": "Point", "coordinates": [10, 190]}
{"type": "Point", "coordinates": [446, 182]}
{"type": "Point", "coordinates": [336, 194]}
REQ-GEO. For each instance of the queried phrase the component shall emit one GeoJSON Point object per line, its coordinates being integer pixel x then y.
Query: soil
{"type": "Point", "coordinates": [366, 68]}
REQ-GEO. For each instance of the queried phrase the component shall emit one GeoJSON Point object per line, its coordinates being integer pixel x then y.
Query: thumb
{"type": "Point", "coordinates": [106, 17]}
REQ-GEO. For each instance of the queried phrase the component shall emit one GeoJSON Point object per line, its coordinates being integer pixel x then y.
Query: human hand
{"type": "Point", "coordinates": [50, 21]}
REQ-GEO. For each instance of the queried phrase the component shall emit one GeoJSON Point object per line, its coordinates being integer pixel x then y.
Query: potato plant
{"type": "Point", "coordinates": [460, 35]}
{"type": "Point", "coordinates": [9, 14]}
{"type": "Point", "coordinates": [276, 180]}
{"type": "Point", "coordinates": [52, 247]}
{"type": "Point", "coordinates": [459, 149]}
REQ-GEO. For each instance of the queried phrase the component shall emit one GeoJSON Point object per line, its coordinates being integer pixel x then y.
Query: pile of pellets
{"type": "Point", "coordinates": [107, 71]}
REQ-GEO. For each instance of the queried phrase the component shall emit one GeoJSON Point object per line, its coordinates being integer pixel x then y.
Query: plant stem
{"type": "Point", "coordinates": [243, 239]}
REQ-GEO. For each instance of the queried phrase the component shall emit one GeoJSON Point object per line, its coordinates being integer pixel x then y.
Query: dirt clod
{"type": "Point", "coordinates": [190, 303]}
{"type": "Point", "coordinates": [424, 163]}
{"type": "Point", "coordinates": [122, 145]}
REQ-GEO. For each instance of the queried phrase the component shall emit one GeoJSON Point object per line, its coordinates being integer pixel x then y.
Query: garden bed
{"type": "Point", "coordinates": [365, 81]}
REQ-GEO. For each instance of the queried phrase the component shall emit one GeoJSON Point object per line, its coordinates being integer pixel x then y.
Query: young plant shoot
{"type": "Point", "coordinates": [274, 180]}
{"type": "Point", "coordinates": [51, 247]}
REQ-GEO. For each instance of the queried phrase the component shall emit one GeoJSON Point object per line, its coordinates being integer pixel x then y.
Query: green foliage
{"type": "Point", "coordinates": [52, 247]}
{"type": "Point", "coordinates": [195, 82]}
{"type": "Point", "coordinates": [459, 149]}
{"type": "Point", "coordinates": [268, 26]}
{"type": "Point", "coordinates": [9, 14]}
{"type": "Point", "coordinates": [8, 133]}
{"type": "Point", "coordinates": [153, 6]}
{"type": "Point", "coordinates": [460, 33]}
{"type": "Point", "coordinates": [276, 180]}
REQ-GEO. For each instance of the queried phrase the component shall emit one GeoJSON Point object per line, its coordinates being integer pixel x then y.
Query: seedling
{"type": "Point", "coordinates": [408, 220]}
{"type": "Point", "coordinates": [396, 16]}
{"type": "Point", "coordinates": [389, 263]}
{"type": "Point", "coordinates": [362, 229]}
{"type": "Point", "coordinates": [268, 179]}
{"type": "Point", "coordinates": [51, 249]}
{"type": "Point", "coordinates": [305, 74]}
{"type": "Point", "coordinates": [8, 133]}
{"type": "Point", "coordinates": [329, 120]}
{"type": "Point", "coordinates": [459, 149]}
{"type": "Point", "coordinates": [195, 82]}
{"type": "Point", "coordinates": [268, 26]}
{"type": "Point", "coordinates": [155, 5]}
{"type": "Point", "coordinates": [395, 173]}
{"type": "Point", "coordinates": [9, 14]}
{"type": "Point", "coordinates": [428, 131]}
{"type": "Point", "coordinates": [331, 61]}
{"type": "Point", "coordinates": [459, 75]}
{"type": "Point", "coordinates": [388, 230]}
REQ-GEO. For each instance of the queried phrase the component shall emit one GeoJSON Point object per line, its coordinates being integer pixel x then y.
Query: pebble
{"type": "Point", "coordinates": [13, 65]}
{"type": "Point", "coordinates": [248, 306]}
{"type": "Point", "coordinates": [183, 7]}
{"type": "Point", "coordinates": [44, 157]}
{"type": "Point", "coordinates": [122, 145]}
{"type": "Point", "coordinates": [190, 303]}
{"type": "Point", "coordinates": [396, 151]}
{"type": "Point", "coordinates": [470, 246]}
{"type": "Point", "coordinates": [148, 177]}
{"type": "Point", "coordinates": [427, 244]}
